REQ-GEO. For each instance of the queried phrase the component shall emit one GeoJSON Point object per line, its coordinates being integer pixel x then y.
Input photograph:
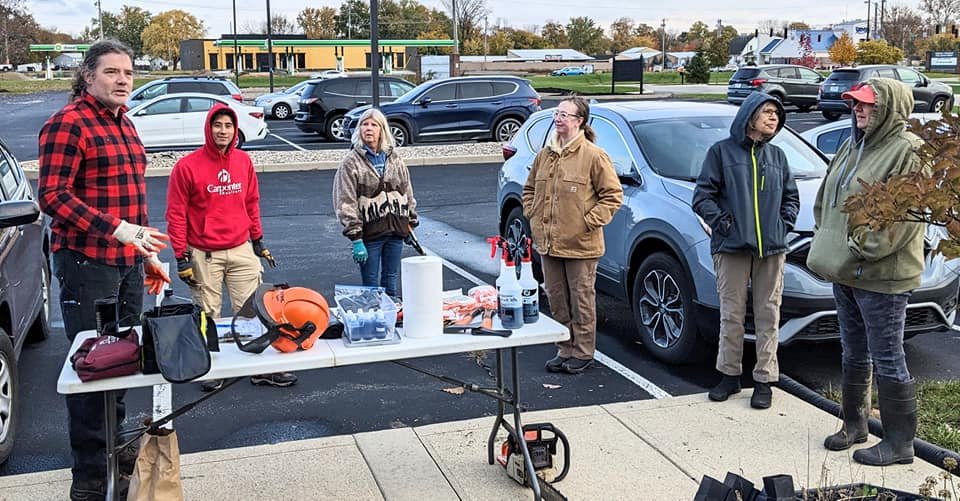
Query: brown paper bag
{"type": "Point", "coordinates": [156, 476]}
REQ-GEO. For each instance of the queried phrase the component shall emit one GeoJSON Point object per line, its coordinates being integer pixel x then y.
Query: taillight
{"type": "Point", "coordinates": [535, 101]}
{"type": "Point", "coordinates": [256, 114]}
{"type": "Point", "coordinates": [508, 151]}
{"type": "Point", "coordinates": [238, 97]}
{"type": "Point", "coordinates": [757, 82]}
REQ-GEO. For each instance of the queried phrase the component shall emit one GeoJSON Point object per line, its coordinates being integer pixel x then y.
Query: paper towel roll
{"type": "Point", "coordinates": [422, 289]}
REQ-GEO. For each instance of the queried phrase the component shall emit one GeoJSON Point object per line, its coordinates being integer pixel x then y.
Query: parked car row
{"type": "Point", "coordinates": [805, 88]}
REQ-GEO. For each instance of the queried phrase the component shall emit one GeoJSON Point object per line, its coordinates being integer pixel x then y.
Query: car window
{"type": "Point", "coordinates": [745, 74]}
{"type": "Point", "coordinates": [829, 142]}
{"type": "Point", "coordinates": [444, 92]}
{"type": "Point", "coordinates": [476, 90]}
{"type": "Point", "coordinates": [845, 76]}
{"type": "Point", "coordinates": [153, 91]}
{"type": "Point", "coordinates": [537, 133]}
{"type": "Point", "coordinates": [909, 77]}
{"type": "Point", "coordinates": [364, 88]}
{"type": "Point", "coordinates": [676, 147]}
{"type": "Point", "coordinates": [195, 104]}
{"type": "Point", "coordinates": [163, 107]}
{"type": "Point", "coordinates": [612, 141]}
{"type": "Point", "coordinates": [8, 178]}
{"type": "Point", "coordinates": [343, 87]}
{"type": "Point", "coordinates": [809, 75]}
{"type": "Point", "coordinates": [887, 73]}
{"type": "Point", "coordinates": [503, 88]}
{"type": "Point", "coordinates": [398, 89]}
{"type": "Point", "coordinates": [790, 73]}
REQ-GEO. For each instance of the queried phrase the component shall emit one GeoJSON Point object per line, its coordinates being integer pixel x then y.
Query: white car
{"type": "Point", "coordinates": [175, 120]}
{"type": "Point", "coordinates": [828, 137]}
{"type": "Point", "coordinates": [281, 105]}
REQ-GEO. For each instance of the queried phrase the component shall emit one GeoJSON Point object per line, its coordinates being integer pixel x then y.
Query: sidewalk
{"type": "Point", "coordinates": [650, 450]}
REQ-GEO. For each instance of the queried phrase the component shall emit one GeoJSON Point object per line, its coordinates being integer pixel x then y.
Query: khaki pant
{"type": "Point", "coordinates": [238, 267]}
{"type": "Point", "coordinates": [571, 290]}
{"type": "Point", "coordinates": [765, 278]}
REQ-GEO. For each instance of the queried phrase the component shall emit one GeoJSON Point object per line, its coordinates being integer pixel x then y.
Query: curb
{"type": "Point", "coordinates": [31, 168]}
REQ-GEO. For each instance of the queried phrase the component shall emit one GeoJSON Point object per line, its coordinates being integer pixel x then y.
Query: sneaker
{"type": "Point", "coordinates": [729, 385]}
{"type": "Point", "coordinates": [279, 379]}
{"type": "Point", "coordinates": [211, 385]}
{"type": "Point", "coordinates": [88, 490]}
{"type": "Point", "coordinates": [576, 366]}
{"type": "Point", "coordinates": [555, 364]}
{"type": "Point", "coordinates": [762, 395]}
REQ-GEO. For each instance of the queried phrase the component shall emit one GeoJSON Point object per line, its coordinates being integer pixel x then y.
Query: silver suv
{"type": "Point", "coordinates": [657, 250]}
{"type": "Point", "coordinates": [171, 85]}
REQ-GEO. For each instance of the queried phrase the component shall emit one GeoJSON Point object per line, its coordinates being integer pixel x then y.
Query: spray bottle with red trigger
{"type": "Point", "coordinates": [529, 286]}
{"type": "Point", "coordinates": [499, 243]}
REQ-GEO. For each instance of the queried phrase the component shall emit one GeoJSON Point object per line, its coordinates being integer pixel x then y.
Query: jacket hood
{"type": "Point", "coordinates": [894, 104]}
{"type": "Point", "coordinates": [211, 147]}
{"type": "Point", "coordinates": [738, 129]}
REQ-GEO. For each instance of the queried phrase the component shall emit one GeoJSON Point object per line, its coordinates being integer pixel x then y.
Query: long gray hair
{"type": "Point", "coordinates": [386, 138]}
{"type": "Point", "coordinates": [92, 59]}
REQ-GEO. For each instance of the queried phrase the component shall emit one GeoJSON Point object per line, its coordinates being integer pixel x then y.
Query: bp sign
{"type": "Point", "coordinates": [945, 61]}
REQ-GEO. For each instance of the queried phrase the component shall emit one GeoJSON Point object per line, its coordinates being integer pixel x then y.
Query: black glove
{"type": "Point", "coordinates": [185, 271]}
{"type": "Point", "coordinates": [263, 252]}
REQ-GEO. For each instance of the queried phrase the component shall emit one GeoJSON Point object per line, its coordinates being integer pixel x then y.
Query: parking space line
{"type": "Point", "coordinates": [644, 383]}
{"type": "Point", "coordinates": [288, 142]}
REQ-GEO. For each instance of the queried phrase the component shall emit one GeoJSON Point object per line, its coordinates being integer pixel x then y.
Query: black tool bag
{"type": "Point", "coordinates": [177, 341]}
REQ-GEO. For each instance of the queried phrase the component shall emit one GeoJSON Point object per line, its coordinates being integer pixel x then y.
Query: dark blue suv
{"type": "Point", "coordinates": [489, 107]}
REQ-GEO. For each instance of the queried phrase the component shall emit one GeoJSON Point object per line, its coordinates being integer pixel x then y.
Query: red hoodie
{"type": "Point", "coordinates": [213, 199]}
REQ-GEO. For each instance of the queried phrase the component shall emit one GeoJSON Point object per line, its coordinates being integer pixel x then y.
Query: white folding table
{"type": "Point", "coordinates": [231, 363]}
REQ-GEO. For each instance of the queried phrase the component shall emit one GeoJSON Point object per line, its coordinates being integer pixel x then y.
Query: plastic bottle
{"type": "Point", "coordinates": [511, 299]}
{"type": "Point", "coordinates": [530, 288]}
{"type": "Point", "coordinates": [380, 326]}
{"type": "Point", "coordinates": [498, 243]}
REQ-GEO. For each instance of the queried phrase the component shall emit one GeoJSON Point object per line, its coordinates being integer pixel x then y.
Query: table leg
{"type": "Point", "coordinates": [491, 445]}
{"type": "Point", "coordinates": [518, 426]}
{"type": "Point", "coordinates": [110, 432]}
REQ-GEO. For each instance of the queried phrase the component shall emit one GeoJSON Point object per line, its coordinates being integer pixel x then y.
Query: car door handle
{"type": "Point", "coordinates": [450, 106]}
{"type": "Point", "coordinates": [361, 103]}
{"type": "Point", "coordinates": [497, 102]}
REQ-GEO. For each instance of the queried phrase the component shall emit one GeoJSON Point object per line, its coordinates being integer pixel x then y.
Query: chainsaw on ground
{"type": "Point", "coordinates": [541, 439]}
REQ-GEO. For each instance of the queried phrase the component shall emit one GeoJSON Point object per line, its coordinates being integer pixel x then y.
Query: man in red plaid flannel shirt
{"type": "Point", "coordinates": [91, 184]}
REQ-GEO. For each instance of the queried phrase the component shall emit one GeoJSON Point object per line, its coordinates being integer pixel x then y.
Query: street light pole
{"type": "Point", "coordinates": [100, 18]}
{"type": "Point", "coordinates": [375, 53]}
{"type": "Point", "coordinates": [868, 18]}
{"type": "Point", "coordinates": [663, 44]}
{"type": "Point", "coordinates": [456, 39]}
{"type": "Point", "coordinates": [269, 46]}
{"type": "Point", "coordinates": [236, 47]}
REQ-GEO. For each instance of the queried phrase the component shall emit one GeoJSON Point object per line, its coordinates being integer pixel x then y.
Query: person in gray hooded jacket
{"type": "Point", "coordinates": [747, 196]}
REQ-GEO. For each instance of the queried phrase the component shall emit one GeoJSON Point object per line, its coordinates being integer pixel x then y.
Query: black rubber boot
{"type": "Point", "coordinates": [898, 413]}
{"type": "Point", "coordinates": [854, 409]}
{"type": "Point", "coordinates": [762, 395]}
{"type": "Point", "coordinates": [728, 386]}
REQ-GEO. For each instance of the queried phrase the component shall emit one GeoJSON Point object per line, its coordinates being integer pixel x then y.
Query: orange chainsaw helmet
{"type": "Point", "coordinates": [294, 316]}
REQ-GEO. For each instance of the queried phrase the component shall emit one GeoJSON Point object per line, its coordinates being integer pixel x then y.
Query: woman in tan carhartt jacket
{"type": "Point", "coordinates": [571, 193]}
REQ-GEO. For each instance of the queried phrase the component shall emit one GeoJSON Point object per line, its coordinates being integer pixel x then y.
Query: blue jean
{"type": "Point", "coordinates": [871, 331]}
{"type": "Point", "coordinates": [382, 267]}
{"type": "Point", "coordinates": [83, 281]}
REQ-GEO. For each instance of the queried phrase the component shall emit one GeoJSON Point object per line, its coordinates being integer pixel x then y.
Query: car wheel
{"type": "Point", "coordinates": [8, 395]}
{"type": "Point", "coordinates": [282, 111]}
{"type": "Point", "coordinates": [335, 128]}
{"type": "Point", "coordinates": [777, 96]}
{"type": "Point", "coordinates": [400, 135]}
{"type": "Point", "coordinates": [41, 325]}
{"type": "Point", "coordinates": [804, 108]}
{"type": "Point", "coordinates": [506, 129]}
{"type": "Point", "coordinates": [938, 105]}
{"type": "Point", "coordinates": [663, 310]}
{"type": "Point", "coordinates": [519, 227]}
{"type": "Point", "coordinates": [832, 116]}
{"type": "Point", "coordinates": [240, 139]}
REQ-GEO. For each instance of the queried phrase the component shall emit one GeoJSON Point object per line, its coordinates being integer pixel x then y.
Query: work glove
{"type": "Point", "coordinates": [146, 240]}
{"type": "Point", "coordinates": [359, 252]}
{"type": "Point", "coordinates": [154, 277]}
{"type": "Point", "coordinates": [263, 252]}
{"type": "Point", "coordinates": [185, 270]}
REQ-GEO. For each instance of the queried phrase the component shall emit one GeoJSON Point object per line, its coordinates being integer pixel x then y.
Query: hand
{"type": "Point", "coordinates": [155, 276]}
{"type": "Point", "coordinates": [359, 252]}
{"type": "Point", "coordinates": [185, 271]}
{"type": "Point", "coordinates": [146, 240]}
{"type": "Point", "coordinates": [263, 252]}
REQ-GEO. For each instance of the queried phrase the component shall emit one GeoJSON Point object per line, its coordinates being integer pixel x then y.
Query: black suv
{"type": "Point", "coordinates": [928, 95]}
{"type": "Point", "coordinates": [459, 108]}
{"type": "Point", "coordinates": [791, 84]}
{"type": "Point", "coordinates": [218, 86]}
{"type": "Point", "coordinates": [324, 102]}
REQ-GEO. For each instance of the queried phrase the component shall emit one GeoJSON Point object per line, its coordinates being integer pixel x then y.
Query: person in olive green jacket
{"type": "Point", "coordinates": [873, 273]}
{"type": "Point", "coordinates": [571, 193]}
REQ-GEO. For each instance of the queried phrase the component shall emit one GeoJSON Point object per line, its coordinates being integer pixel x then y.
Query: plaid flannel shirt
{"type": "Point", "coordinates": [92, 167]}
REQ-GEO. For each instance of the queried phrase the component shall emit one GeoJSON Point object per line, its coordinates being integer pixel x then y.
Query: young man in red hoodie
{"type": "Point", "coordinates": [213, 214]}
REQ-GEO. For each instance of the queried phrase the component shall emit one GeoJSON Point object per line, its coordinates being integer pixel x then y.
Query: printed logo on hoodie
{"type": "Point", "coordinates": [225, 188]}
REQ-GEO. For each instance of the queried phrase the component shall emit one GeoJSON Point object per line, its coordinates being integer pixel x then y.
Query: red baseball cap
{"type": "Point", "coordinates": [861, 92]}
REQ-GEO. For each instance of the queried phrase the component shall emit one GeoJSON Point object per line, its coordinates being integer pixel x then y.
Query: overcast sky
{"type": "Point", "coordinates": [72, 16]}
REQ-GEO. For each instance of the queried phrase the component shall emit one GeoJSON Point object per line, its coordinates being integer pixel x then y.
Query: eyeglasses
{"type": "Point", "coordinates": [564, 115]}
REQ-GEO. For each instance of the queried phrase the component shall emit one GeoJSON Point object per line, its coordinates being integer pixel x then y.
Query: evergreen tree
{"type": "Point", "coordinates": [697, 70]}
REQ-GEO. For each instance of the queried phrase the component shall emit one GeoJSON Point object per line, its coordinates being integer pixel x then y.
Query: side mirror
{"type": "Point", "coordinates": [17, 212]}
{"type": "Point", "coordinates": [425, 101]}
{"type": "Point", "coordinates": [140, 113]}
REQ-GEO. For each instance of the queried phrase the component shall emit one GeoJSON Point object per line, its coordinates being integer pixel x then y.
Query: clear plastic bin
{"type": "Point", "coordinates": [368, 315]}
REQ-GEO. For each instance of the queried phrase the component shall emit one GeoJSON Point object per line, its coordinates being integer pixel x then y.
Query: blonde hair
{"type": "Point", "coordinates": [386, 138]}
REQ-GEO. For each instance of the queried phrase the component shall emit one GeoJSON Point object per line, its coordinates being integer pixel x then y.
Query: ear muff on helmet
{"type": "Point", "coordinates": [294, 317]}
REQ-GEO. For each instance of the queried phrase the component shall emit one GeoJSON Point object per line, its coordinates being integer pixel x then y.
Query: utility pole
{"type": "Point", "coordinates": [349, 19]}
{"type": "Point", "coordinates": [663, 44]}
{"type": "Point", "coordinates": [876, 19]}
{"type": "Point", "coordinates": [883, 16]}
{"type": "Point", "coordinates": [269, 46]}
{"type": "Point", "coordinates": [485, 48]}
{"type": "Point", "coordinates": [868, 18]}
{"type": "Point", "coordinates": [100, 18]}
{"type": "Point", "coordinates": [6, 37]}
{"type": "Point", "coordinates": [375, 53]}
{"type": "Point", "coordinates": [456, 40]}
{"type": "Point", "coordinates": [236, 47]}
